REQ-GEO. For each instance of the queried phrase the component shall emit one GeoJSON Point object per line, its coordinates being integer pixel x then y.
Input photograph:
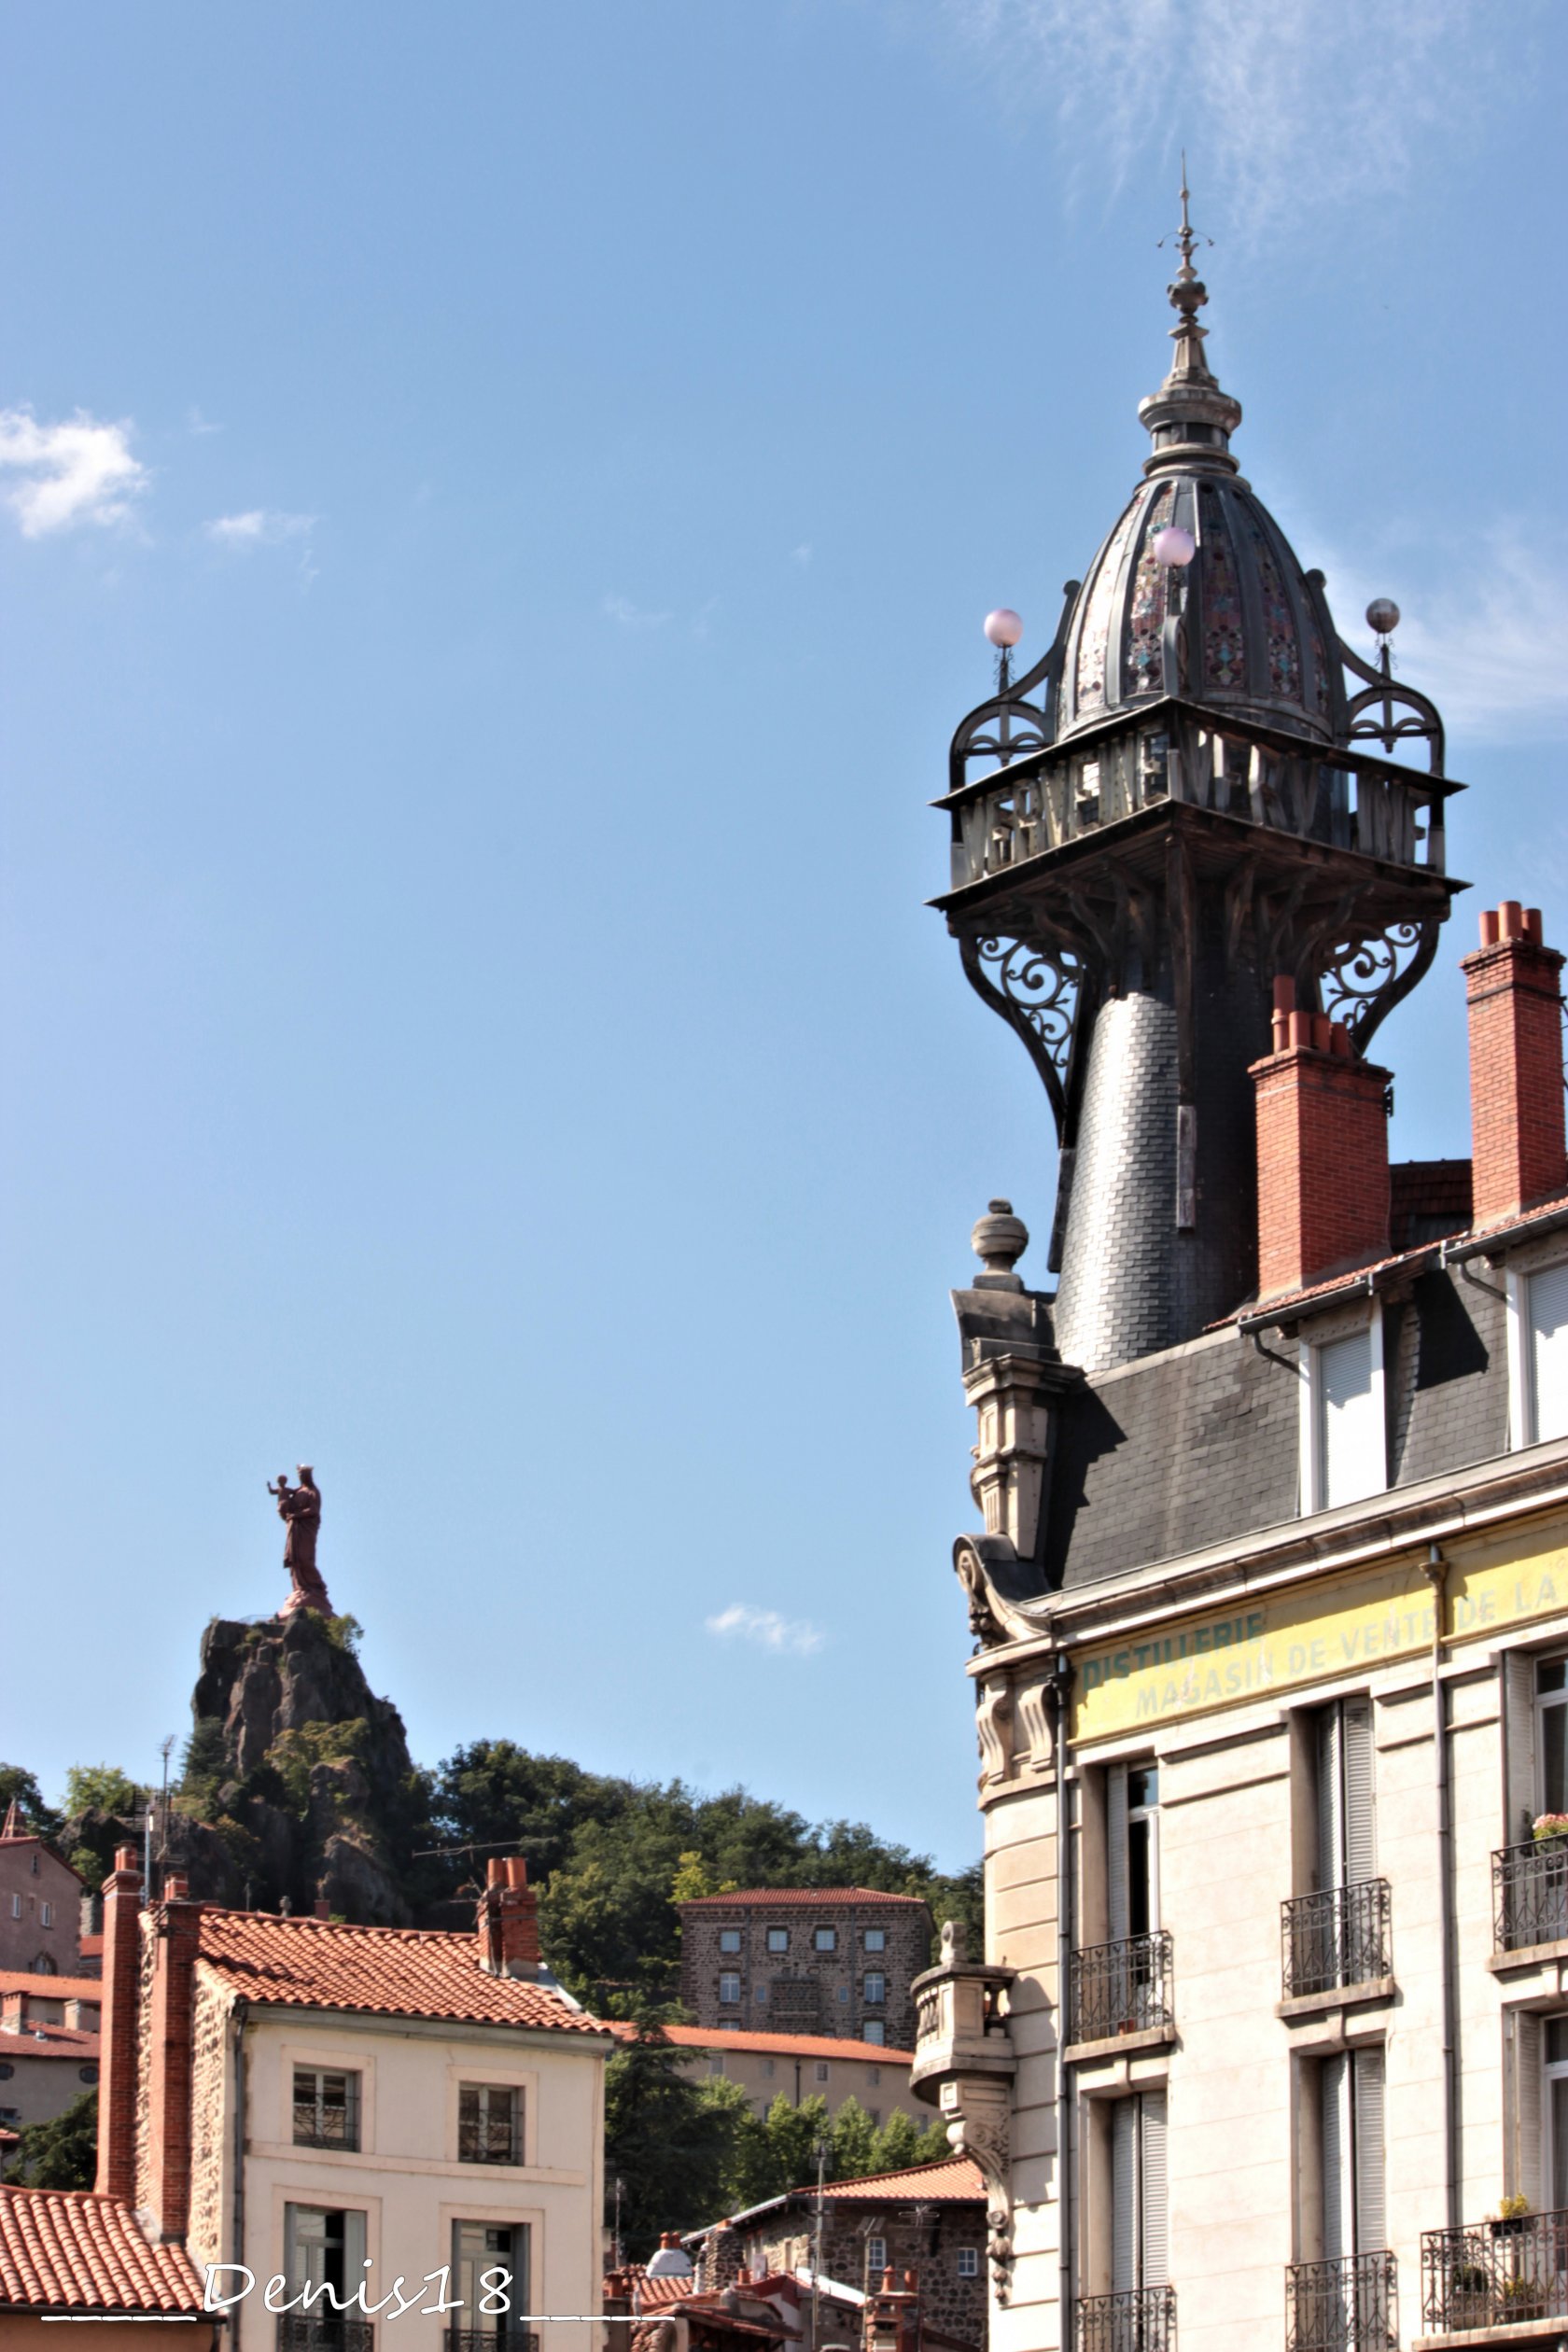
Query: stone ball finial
{"type": "Point", "coordinates": [998, 1240]}
{"type": "Point", "coordinates": [955, 1944]}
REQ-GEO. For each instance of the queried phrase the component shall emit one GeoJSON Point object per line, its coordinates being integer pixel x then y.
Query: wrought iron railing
{"type": "Point", "coordinates": [323, 2332]}
{"type": "Point", "coordinates": [1491, 2272]}
{"type": "Point", "coordinates": [1335, 1938]}
{"type": "Point", "coordinates": [1530, 1894]}
{"type": "Point", "coordinates": [1350, 2305]}
{"type": "Point", "coordinates": [1142, 2320]}
{"type": "Point", "coordinates": [1120, 1988]}
{"type": "Point", "coordinates": [319, 2126]}
{"type": "Point", "coordinates": [493, 2141]}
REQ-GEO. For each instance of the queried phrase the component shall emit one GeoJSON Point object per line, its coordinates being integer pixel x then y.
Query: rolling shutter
{"type": "Point", "coordinates": [1351, 1449]}
{"type": "Point", "coordinates": [1519, 1717]}
{"type": "Point", "coordinates": [1361, 1840]}
{"type": "Point", "coordinates": [1331, 1799]}
{"type": "Point", "coordinates": [1546, 1294]}
{"type": "Point", "coordinates": [1371, 2225]}
{"type": "Point", "coordinates": [1116, 1849]}
{"type": "Point", "coordinates": [1525, 2152]}
{"type": "Point", "coordinates": [1156, 2256]}
{"type": "Point", "coordinates": [1334, 2092]}
{"type": "Point", "coordinates": [1123, 2196]}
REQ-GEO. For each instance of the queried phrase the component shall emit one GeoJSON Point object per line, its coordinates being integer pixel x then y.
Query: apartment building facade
{"type": "Point", "coordinates": [1269, 2043]}
{"type": "Point", "coordinates": [834, 1961]}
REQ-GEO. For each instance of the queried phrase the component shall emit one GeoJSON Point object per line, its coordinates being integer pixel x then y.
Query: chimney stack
{"type": "Point", "coordinates": [116, 2084]}
{"type": "Point", "coordinates": [1513, 987]}
{"type": "Point", "coordinates": [508, 1943]}
{"type": "Point", "coordinates": [1322, 1156]}
{"type": "Point", "coordinates": [165, 2188]}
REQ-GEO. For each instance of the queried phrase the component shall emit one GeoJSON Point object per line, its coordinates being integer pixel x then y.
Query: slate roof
{"type": "Point", "coordinates": [62, 2250]}
{"type": "Point", "coordinates": [769, 2045]}
{"type": "Point", "coordinates": [380, 1971]}
{"type": "Point", "coordinates": [806, 1898]}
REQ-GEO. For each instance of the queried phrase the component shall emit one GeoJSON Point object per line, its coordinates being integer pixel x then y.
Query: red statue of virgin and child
{"type": "Point", "coordinates": [300, 1509]}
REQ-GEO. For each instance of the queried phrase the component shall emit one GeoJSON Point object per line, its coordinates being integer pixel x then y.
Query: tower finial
{"type": "Point", "coordinates": [1189, 418]}
{"type": "Point", "coordinates": [1188, 294]}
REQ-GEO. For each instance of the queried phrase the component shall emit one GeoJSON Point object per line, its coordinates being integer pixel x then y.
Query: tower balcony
{"type": "Point", "coordinates": [960, 2024]}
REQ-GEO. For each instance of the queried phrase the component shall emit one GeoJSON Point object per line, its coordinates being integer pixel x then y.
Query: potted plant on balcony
{"type": "Point", "coordinates": [1468, 2300]}
{"type": "Point", "coordinates": [1523, 2299]}
{"type": "Point", "coordinates": [1512, 2214]}
{"type": "Point", "coordinates": [1547, 1825]}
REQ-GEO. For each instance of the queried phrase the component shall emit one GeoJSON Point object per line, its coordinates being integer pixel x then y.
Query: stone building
{"type": "Point", "coordinates": [829, 1960]}
{"type": "Point", "coordinates": [929, 2221]}
{"type": "Point", "coordinates": [798, 2066]}
{"type": "Point", "coordinates": [40, 1904]}
{"type": "Point", "coordinates": [296, 2099]}
{"type": "Point", "coordinates": [1271, 1589]}
{"type": "Point", "coordinates": [48, 2044]}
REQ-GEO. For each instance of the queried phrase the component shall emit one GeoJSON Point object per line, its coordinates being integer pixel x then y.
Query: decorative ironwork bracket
{"type": "Point", "coordinates": [1384, 696]}
{"type": "Point", "coordinates": [1363, 977]}
{"type": "Point", "coordinates": [1040, 992]}
{"type": "Point", "coordinates": [1007, 724]}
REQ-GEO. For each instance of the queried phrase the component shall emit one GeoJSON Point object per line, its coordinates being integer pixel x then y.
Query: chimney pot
{"type": "Point", "coordinates": [177, 1887]}
{"type": "Point", "coordinates": [1511, 916]}
{"type": "Point", "coordinates": [1284, 993]}
{"type": "Point", "coordinates": [1489, 926]}
{"type": "Point", "coordinates": [497, 1873]}
{"type": "Point", "coordinates": [1513, 983]}
{"type": "Point", "coordinates": [126, 1858]}
{"type": "Point", "coordinates": [323, 1908]}
{"type": "Point", "coordinates": [1323, 1033]}
{"type": "Point", "coordinates": [1300, 1033]}
{"type": "Point", "coordinates": [1533, 925]}
{"type": "Point", "coordinates": [1322, 1158]}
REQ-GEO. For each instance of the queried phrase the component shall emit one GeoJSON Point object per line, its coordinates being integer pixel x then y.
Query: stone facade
{"type": "Point", "coordinates": [41, 1909]}
{"type": "Point", "coordinates": [764, 1949]}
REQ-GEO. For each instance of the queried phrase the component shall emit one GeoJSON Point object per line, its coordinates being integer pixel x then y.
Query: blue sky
{"type": "Point", "coordinates": [497, 507]}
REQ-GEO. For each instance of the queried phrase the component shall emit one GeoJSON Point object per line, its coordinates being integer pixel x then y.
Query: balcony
{"type": "Point", "coordinates": [1122, 1988]}
{"type": "Point", "coordinates": [1530, 1894]}
{"type": "Point", "coordinates": [1336, 1939]}
{"type": "Point", "coordinates": [323, 2332]}
{"type": "Point", "coordinates": [1142, 2320]}
{"type": "Point", "coordinates": [1493, 2274]}
{"type": "Point", "coordinates": [961, 2020]}
{"type": "Point", "coordinates": [1350, 2305]}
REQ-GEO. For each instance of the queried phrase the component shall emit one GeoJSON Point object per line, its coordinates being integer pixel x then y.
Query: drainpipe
{"type": "Point", "coordinates": [1437, 1575]}
{"type": "Point", "coordinates": [1060, 1688]}
{"type": "Point", "coordinates": [241, 2010]}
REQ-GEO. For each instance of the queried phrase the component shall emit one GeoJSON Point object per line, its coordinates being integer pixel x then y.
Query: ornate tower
{"type": "Point", "coordinates": [1194, 807]}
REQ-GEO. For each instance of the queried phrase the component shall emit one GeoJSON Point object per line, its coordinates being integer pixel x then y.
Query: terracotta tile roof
{"type": "Point", "coordinates": [61, 2249]}
{"type": "Point", "coordinates": [769, 2045]}
{"type": "Point", "coordinates": [51, 1988]}
{"type": "Point", "coordinates": [806, 1898]}
{"type": "Point", "coordinates": [1364, 1278]}
{"type": "Point", "coordinates": [952, 2181]}
{"type": "Point", "coordinates": [50, 2041]}
{"type": "Point", "coordinates": [654, 2293]}
{"type": "Point", "coordinates": [382, 1971]}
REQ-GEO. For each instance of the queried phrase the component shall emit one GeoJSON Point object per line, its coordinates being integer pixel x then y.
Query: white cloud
{"type": "Point", "coordinates": [766, 1630]}
{"type": "Point", "coordinates": [632, 616]}
{"type": "Point", "coordinates": [60, 475]}
{"type": "Point", "coordinates": [259, 526]}
{"type": "Point", "coordinates": [802, 555]}
{"type": "Point", "coordinates": [1284, 106]}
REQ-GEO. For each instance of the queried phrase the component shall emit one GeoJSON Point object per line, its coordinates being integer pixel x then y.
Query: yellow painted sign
{"type": "Point", "coordinates": [1342, 1626]}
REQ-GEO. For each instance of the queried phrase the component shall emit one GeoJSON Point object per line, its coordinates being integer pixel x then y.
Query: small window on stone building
{"type": "Point", "coordinates": [778, 1939]}
{"type": "Point", "coordinates": [875, 1987]}
{"type": "Point", "coordinates": [16, 1906]}
{"type": "Point", "coordinates": [729, 1938]}
{"type": "Point", "coordinates": [875, 2031]}
{"type": "Point", "coordinates": [715, 2061]}
{"type": "Point", "coordinates": [326, 2108]}
{"type": "Point", "coordinates": [843, 1993]}
{"type": "Point", "coordinates": [875, 2115]}
{"type": "Point", "coordinates": [969, 2261]}
{"type": "Point", "coordinates": [759, 1993]}
{"type": "Point", "coordinates": [729, 1986]}
{"type": "Point", "coordinates": [767, 2069]}
{"type": "Point", "coordinates": [877, 2254]}
{"type": "Point", "coordinates": [489, 2123]}
{"type": "Point", "coordinates": [876, 1940]}
{"type": "Point", "coordinates": [10, 2117]}
{"type": "Point", "coordinates": [6, 2070]}
{"type": "Point", "coordinates": [824, 1939]}
{"type": "Point", "coordinates": [822, 2070]}
{"type": "Point", "coordinates": [46, 1914]}
{"type": "Point", "coordinates": [86, 2074]}
{"type": "Point", "coordinates": [35, 1866]}
{"type": "Point", "coordinates": [873, 2074]}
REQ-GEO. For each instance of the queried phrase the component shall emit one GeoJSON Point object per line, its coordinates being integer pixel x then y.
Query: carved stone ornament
{"type": "Point", "coordinates": [993, 1717]}
{"type": "Point", "coordinates": [976, 2111]}
{"type": "Point", "coordinates": [994, 1577]}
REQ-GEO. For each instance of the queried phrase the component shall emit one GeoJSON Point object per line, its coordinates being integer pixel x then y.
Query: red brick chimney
{"type": "Point", "coordinates": [1321, 1152]}
{"type": "Point", "coordinates": [508, 1943]}
{"type": "Point", "coordinates": [1513, 986]}
{"type": "Point", "coordinates": [116, 2073]}
{"type": "Point", "coordinates": [164, 2188]}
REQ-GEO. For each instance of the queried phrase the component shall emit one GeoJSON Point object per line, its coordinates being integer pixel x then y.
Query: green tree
{"type": "Point", "coordinates": [61, 2154]}
{"type": "Point", "coordinates": [17, 1783]}
{"type": "Point", "coordinates": [668, 2139]}
{"type": "Point", "coordinates": [854, 2142]}
{"type": "Point", "coordinates": [693, 1880]}
{"type": "Point", "coordinates": [101, 1788]}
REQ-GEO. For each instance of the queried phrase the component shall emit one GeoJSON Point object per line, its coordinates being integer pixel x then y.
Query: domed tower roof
{"type": "Point", "coordinates": [1258, 635]}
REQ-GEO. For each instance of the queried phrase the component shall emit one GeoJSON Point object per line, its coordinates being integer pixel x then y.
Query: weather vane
{"type": "Point", "coordinates": [1186, 237]}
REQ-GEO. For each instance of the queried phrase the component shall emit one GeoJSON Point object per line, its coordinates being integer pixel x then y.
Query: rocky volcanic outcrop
{"type": "Point", "coordinates": [298, 1780]}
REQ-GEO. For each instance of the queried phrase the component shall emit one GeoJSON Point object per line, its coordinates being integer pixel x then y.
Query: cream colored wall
{"type": "Point", "coordinates": [406, 2178]}
{"type": "Point", "coordinates": [796, 2079]}
{"type": "Point", "coordinates": [40, 2088]}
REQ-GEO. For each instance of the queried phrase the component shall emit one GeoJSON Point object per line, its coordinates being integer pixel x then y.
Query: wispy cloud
{"type": "Point", "coordinates": [1284, 103]}
{"type": "Point", "coordinates": [259, 526]}
{"type": "Point", "coordinates": [766, 1630]}
{"type": "Point", "coordinates": [633, 616]}
{"type": "Point", "coordinates": [802, 555]}
{"type": "Point", "coordinates": [196, 423]}
{"type": "Point", "coordinates": [56, 476]}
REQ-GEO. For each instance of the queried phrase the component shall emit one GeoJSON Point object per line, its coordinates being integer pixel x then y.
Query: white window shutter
{"type": "Point", "coordinates": [1334, 2092]}
{"type": "Point", "coordinates": [1519, 1717]}
{"type": "Point", "coordinates": [1116, 1849]}
{"type": "Point", "coordinates": [1371, 2223]}
{"type": "Point", "coordinates": [1526, 2151]}
{"type": "Point", "coordinates": [1352, 1450]}
{"type": "Point", "coordinates": [1123, 2196]}
{"type": "Point", "coordinates": [1330, 1800]}
{"type": "Point", "coordinates": [1361, 1836]}
{"type": "Point", "coordinates": [1548, 1296]}
{"type": "Point", "coordinates": [1156, 2252]}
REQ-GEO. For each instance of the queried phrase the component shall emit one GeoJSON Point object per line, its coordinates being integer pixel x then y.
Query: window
{"type": "Point", "coordinates": [767, 2069]}
{"type": "Point", "coordinates": [16, 1906]}
{"type": "Point", "coordinates": [6, 2070]}
{"type": "Point", "coordinates": [876, 1988]}
{"type": "Point", "coordinates": [1544, 1304]}
{"type": "Point", "coordinates": [875, 2031]}
{"type": "Point", "coordinates": [822, 2070]}
{"type": "Point", "coordinates": [86, 2074]}
{"type": "Point", "coordinates": [715, 2061]}
{"type": "Point", "coordinates": [1344, 1453]}
{"type": "Point", "coordinates": [1138, 2201]}
{"type": "Point", "coordinates": [1554, 2164]}
{"type": "Point", "coordinates": [1551, 1734]}
{"type": "Point", "coordinates": [759, 1993]}
{"type": "Point", "coordinates": [34, 1865]}
{"type": "Point", "coordinates": [1349, 2167]}
{"type": "Point", "coordinates": [489, 2123]}
{"type": "Point", "coordinates": [876, 1940]}
{"type": "Point", "coordinates": [875, 2115]}
{"type": "Point", "coordinates": [824, 1939]}
{"type": "Point", "coordinates": [877, 2254]}
{"type": "Point", "coordinates": [323, 2246]}
{"type": "Point", "coordinates": [729, 2025]}
{"type": "Point", "coordinates": [1132, 1850]}
{"type": "Point", "coordinates": [326, 2108]}
{"type": "Point", "coordinates": [729, 1938]}
{"type": "Point", "coordinates": [779, 1940]}
{"type": "Point", "coordinates": [1347, 1814]}
{"type": "Point", "coordinates": [46, 1914]}
{"type": "Point", "coordinates": [490, 2278]}
{"type": "Point", "coordinates": [729, 1986]}
{"type": "Point", "coordinates": [844, 1995]}
{"type": "Point", "coordinates": [874, 2075]}
{"type": "Point", "coordinates": [969, 2261]}
{"type": "Point", "coordinates": [10, 2117]}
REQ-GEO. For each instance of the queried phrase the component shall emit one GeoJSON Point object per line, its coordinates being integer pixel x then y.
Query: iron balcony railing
{"type": "Point", "coordinates": [1350, 2305]}
{"type": "Point", "coordinates": [1335, 1938]}
{"type": "Point", "coordinates": [316, 2125]}
{"type": "Point", "coordinates": [1493, 2273]}
{"type": "Point", "coordinates": [323, 2332]}
{"type": "Point", "coordinates": [1120, 1988]}
{"type": "Point", "coordinates": [1530, 1894]}
{"type": "Point", "coordinates": [1142, 2320]}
